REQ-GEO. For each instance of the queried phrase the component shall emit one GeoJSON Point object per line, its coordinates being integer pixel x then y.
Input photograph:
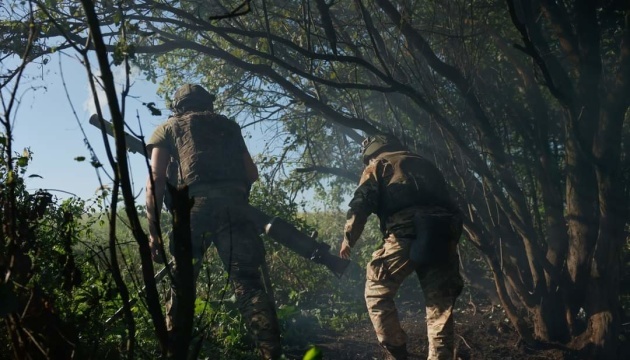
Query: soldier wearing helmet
{"type": "Point", "coordinates": [421, 226]}
{"type": "Point", "coordinates": [192, 97]}
{"type": "Point", "coordinates": [212, 160]}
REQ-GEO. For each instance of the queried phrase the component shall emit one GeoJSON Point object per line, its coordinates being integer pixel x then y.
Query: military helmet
{"type": "Point", "coordinates": [192, 96]}
{"type": "Point", "coordinates": [374, 145]}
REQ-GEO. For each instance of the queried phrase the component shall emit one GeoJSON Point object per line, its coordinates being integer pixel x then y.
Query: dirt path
{"type": "Point", "coordinates": [482, 333]}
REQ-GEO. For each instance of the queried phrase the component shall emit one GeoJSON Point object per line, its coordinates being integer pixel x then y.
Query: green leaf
{"type": "Point", "coordinates": [79, 158]}
{"type": "Point", "coordinates": [286, 311]}
{"type": "Point", "coordinates": [117, 18]}
{"type": "Point", "coordinates": [22, 161]}
{"type": "Point", "coordinates": [314, 353]}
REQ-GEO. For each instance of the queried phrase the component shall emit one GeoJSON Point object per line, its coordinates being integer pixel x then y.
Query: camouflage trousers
{"type": "Point", "coordinates": [441, 285]}
{"type": "Point", "coordinates": [221, 221]}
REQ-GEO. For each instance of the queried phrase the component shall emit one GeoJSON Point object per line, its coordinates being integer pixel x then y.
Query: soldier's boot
{"type": "Point", "coordinates": [270, 350]}
{"type": "Point", "coordinates": [395, 352]}
{"type": "Point", "coordinates": [262, 322]}
{"type": "Point", "coordinates": [267, 337]}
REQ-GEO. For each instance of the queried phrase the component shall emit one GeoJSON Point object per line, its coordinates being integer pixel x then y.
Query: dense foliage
{"type": "Point", "coordinates": [60, 274]}
{"type": "Point", "coordinates": [523, 105]}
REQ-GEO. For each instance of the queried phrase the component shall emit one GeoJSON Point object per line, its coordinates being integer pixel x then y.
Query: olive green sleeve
{"type": "Point", "coordinates": [161, 137]}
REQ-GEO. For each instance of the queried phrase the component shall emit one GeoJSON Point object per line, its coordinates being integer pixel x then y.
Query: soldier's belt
{"type": "Point", "coordinates": [217, 190]}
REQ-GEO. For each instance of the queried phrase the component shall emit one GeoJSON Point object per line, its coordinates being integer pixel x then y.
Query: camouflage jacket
{"type": "Point", "coordinates": [395, 186]}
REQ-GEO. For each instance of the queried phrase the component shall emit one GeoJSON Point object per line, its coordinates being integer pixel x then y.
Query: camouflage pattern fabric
{"type": "Point", "coordinates": [441, 285]}
{"type": "Point", "coordinates": [242, 252]}
{"type": "Point", "coordinates": [364, 203]}
{"type": "Point", "coordinates": [208, 150]}
{"type": "Point", "coordinates": [398, 186]}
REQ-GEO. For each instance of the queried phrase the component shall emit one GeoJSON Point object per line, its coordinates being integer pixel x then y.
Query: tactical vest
{"type": "Point", "coordinates": [409, 180]}
{"type": "Point", "coordinates": [209, 149]}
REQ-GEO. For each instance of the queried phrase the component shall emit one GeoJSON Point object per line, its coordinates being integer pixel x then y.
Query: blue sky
{"type": "Point", "coordinates": [45, 123]}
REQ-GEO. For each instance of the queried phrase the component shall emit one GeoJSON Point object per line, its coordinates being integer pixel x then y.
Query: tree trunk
{"type": "Point", "coordinates": [602, 300]}
{"type": "Point", "coordinates": [184, 279]}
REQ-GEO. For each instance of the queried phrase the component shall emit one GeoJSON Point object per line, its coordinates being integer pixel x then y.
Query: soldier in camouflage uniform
{"type": "Point", "coordinates": [213, 161]}
{"type": "Point", "coordinates": [421, 226]}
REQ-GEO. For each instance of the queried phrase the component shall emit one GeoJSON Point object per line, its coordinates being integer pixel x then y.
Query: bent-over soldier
{"type": "Point", "coordinates": [421, 226]}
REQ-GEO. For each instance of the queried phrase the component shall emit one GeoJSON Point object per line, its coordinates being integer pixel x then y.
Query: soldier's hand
{"type": "Point", "coordinates": [345, 251]}
{"type": "Point", "coordinates": [156, 251]}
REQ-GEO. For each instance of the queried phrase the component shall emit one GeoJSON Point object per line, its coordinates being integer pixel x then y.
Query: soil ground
{"type": "Point", "coordinates": [482, 332]}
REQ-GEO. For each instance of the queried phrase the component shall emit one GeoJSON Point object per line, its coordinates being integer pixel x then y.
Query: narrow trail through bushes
{"type": "Point", "coordinates": [482, 332]}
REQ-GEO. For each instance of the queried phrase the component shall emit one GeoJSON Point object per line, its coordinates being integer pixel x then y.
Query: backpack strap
{"type": "Point", "coordinates": [177, 138]}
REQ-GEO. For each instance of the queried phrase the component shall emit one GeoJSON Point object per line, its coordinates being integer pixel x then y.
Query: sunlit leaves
{"type": "Point", "coordinates": [314, 353]}
{"type": "Point", "coordinates": [22, 161]}
{"type": "Point", "coordinates": [123, 50]}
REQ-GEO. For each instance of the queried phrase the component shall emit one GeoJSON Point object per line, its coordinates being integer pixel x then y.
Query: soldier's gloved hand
{"type": "Point", "coordinates": [345, 251]}
{"type": "Point", "coordinates": [156, 251]}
